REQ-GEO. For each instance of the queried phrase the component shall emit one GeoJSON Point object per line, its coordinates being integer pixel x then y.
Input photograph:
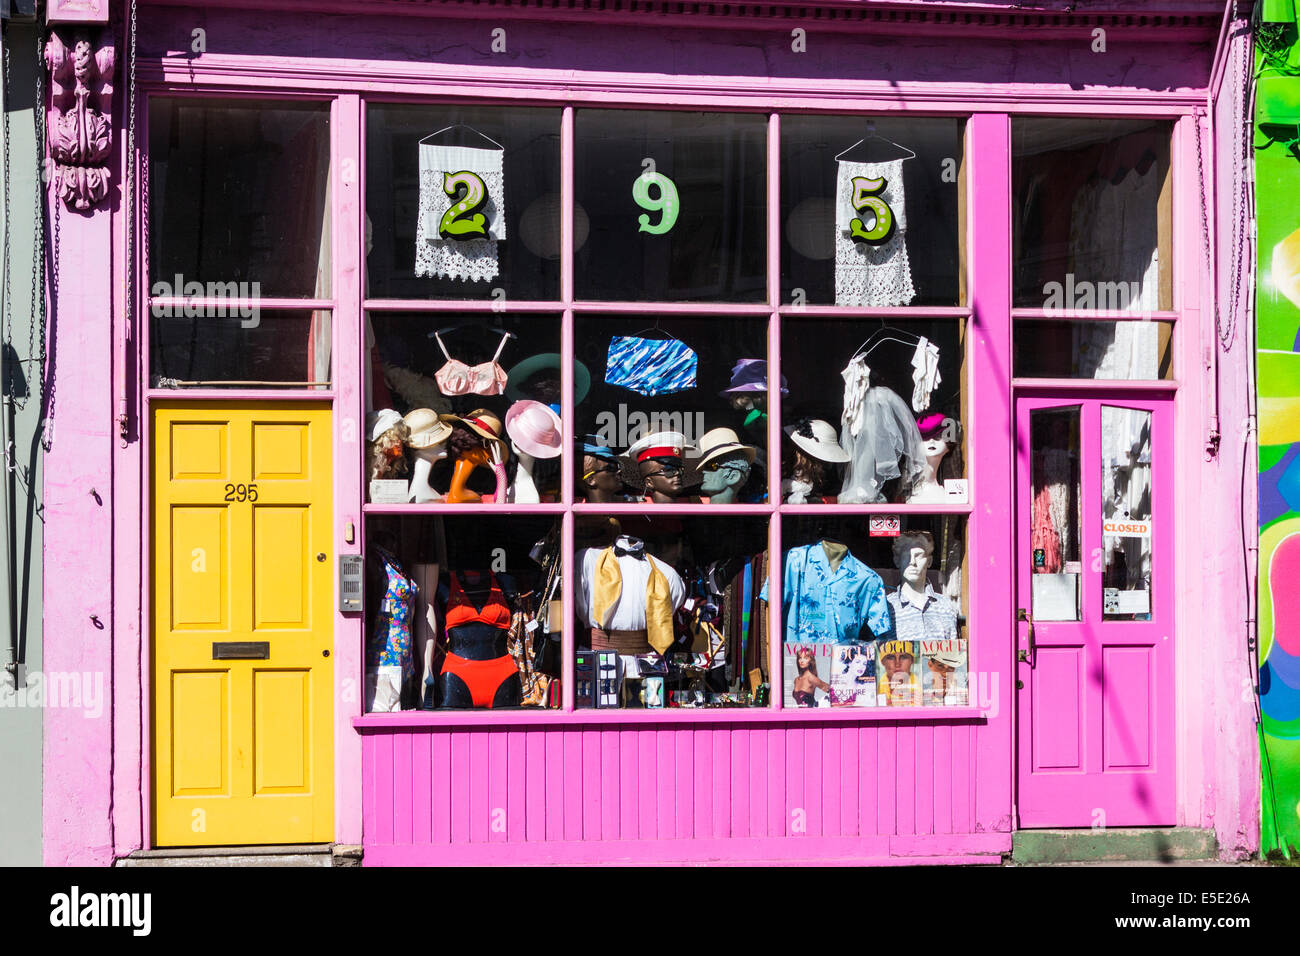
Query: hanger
{"type": "Point", "coordinates": [912, 339]}
{"type": "Point", "coordinates": [463, 126]}
{"type": "Point", "coordinates": [872, 134]}
{"type": "Point", "coordinates": [461, 325]}
{"type": "Point", "coordinates": [657, 329]}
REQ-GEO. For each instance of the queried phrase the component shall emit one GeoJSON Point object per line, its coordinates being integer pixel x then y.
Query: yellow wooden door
{"type": "Point", "coordinates": [242, 624]}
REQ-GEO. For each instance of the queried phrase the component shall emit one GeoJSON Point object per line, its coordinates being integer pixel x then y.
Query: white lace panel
{"type": "Point", "coordinates": [870, 275]}
{"type": "Point", "coordinates": [474, 260]}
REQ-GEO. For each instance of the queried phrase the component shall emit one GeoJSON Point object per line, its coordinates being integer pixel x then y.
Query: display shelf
{"type": "Point", "coordinates": [652, 510]}
{"type": "Point", "coordinates": [442, 508]}
{"type": "Point", "coordinates": [940, 508]}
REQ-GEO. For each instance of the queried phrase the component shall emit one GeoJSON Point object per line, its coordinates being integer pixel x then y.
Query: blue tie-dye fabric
{"type": "Point", "coordinates": [650, 366]}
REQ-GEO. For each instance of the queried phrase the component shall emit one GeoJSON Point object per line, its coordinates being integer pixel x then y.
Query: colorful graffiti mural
{"type": "Point", "coordinates": [1277, 174]}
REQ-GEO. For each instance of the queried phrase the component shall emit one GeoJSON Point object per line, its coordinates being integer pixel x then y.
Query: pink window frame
{"type": "Point", "coordinates": [989, 474]}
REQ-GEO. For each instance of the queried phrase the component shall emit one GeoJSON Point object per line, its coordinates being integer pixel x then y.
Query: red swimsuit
{"type": "Point", "coordinates": [483, 678]}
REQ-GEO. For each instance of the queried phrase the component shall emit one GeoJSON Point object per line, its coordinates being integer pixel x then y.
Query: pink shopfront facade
{"type": "Point", "coordinates": [1033, 197]}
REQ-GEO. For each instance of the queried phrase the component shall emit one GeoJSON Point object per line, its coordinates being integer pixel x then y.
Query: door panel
{"type": "Point", "coordinates": [1094, 573]}
{"type": "Point", "coordinates": [243, 745]}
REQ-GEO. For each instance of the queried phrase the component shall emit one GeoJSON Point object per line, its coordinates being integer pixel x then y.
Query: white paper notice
{"type": "Point", "coordinates": [1115, 601]}
{"type": "Point", "coordinates": [1056, 597]}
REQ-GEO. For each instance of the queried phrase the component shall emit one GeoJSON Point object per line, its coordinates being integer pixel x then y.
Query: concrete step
{"type": "Point", "coordinates": [1139, 845]}
{"type": "Point", "coordinates": [220, 856]}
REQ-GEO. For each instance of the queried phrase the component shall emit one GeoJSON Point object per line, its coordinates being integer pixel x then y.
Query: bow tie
{"type": "Point", "coordinates": [638, 553]}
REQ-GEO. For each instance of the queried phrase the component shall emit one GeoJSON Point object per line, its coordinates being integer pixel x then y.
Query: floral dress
{"type": "Point", "coordinates": [389, 657]}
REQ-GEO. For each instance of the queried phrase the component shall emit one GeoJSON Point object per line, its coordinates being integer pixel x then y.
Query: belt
{"type": "Point", "coordinates": [625, 642]}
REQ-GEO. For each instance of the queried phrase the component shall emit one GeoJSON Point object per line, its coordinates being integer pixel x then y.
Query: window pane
{"type": "Point", "coordinates": [872, 613]}
{"type": "Point", "coordinates": [228, 346]}
{"type": "Point", "coordinates": [1055, 513]}
{"type": "Point", "coordinates": [676, 411]}
{"type": "Point", "coordinates": [668, 613]}
{"type": "Point", "coordinates": [676, 205]}
{"type": "Point", "coordinates": [918, 261]}
{"type": "Point", "coordinates": [490, 584]}
{"type": "Point", "coordinates": [447, 394]}
{"type": "Point", "coordinates": [238, 193]}
{"type": "Point", "coordinates": [874, 413]}
{"type": "Point", "coordinates": [1097, 349]}
{"type": "Point", "coordinates": [1126, 503]}
{"type": "Point", "coordinates": [1093, 214]}
{"type": "Point", "coordinates": [417, 247]}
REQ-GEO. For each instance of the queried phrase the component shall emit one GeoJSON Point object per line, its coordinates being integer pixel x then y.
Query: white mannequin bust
{"type": "Point", "coordinates": [421, 491]}
{"type": "Point", "coordinates": [929, 490]}
{"type": "Point", "coordinates": [523, 491]}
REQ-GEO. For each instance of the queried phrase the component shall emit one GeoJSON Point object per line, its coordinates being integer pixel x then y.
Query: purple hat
{"type": "Point", "coordinates": [534, 428]}
{"type": "Point", "coordinates": [750, 375]}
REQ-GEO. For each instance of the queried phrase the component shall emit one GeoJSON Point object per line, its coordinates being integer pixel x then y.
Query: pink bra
{"type": "Point", "coordinates": [457, 378]}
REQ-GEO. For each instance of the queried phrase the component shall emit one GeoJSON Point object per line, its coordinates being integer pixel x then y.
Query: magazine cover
{"type": "Point", "coordinates": [899, 675]}
{"type": "Point", "coordinates": [944, 673]}
{"type": "Point", "coordinates": [853, 675]}
{"type": "Point", "coordinates": [806, 669]}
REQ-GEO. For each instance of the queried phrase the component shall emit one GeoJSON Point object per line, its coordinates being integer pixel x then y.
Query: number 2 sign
{"type": "Point", "coordinates": [462, 220]}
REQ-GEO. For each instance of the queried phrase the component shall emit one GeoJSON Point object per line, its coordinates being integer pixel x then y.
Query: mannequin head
{"type": "Point", "coordinates": [913, 552]}
{"type": "Point", "coordinates": [662, 477]}
{"type": "Point", "coordinates": [599, 480]}
{"type": "Point", "coordinates": [725, 476]}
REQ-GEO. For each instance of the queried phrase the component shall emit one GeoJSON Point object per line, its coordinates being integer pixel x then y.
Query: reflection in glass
{"type": "Point", "coordinates": [1092, 214]}
{"type": "Point", "coordinates": [1097, 349]}
{"type": "Point", "coordinates": [191, 349]}
{"type": "Point", "coordinates": [1126, 511]}
{"type": "Point", "coordinates": [1055, 513]}
{"type": "Point", "coordinates": [676, 203]}
{"type": "Point", "coordinates": [238, 194]}
{"type": "Point", "coordinates": [514, 151]}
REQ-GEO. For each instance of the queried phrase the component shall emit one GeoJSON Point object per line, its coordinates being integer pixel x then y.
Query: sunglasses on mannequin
{"type": "Point", "coordinates": [600, 470]}
{"type": "Point", "coordinates": [668, 470]}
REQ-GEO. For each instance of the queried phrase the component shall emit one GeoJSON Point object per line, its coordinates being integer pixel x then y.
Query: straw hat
{"type": "Point", "coordinates": [719, 442]}
{"type": "Point", "coordinates": [427, 428]}
{"type": "Point", "coordinates": [534, 428]}
{"type": "Point", "coordinates": [817, 438]}
{"type": "Point", "coordinates": [483, 423]}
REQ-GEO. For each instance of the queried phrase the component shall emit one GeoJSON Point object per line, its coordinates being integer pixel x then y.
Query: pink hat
{"type": "Point", "coordinates": [534, 428]}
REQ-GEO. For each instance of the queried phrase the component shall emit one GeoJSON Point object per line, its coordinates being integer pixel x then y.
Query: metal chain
{"type": "Point", "coordinates": [131, 284]}
{"type": "Point", "coordinates": [47, 431]}
{"type": "Point", "coordinates": [6, 293]}
{"type": "Point", "coordinates": [38, 216]}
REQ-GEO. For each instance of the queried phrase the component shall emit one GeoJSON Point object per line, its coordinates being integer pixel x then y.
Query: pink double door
{"type": "Point", "coordinates": [1095, 629]}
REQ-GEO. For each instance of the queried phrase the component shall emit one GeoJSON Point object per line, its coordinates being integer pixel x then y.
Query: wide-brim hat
{"type": "Point", "coordinates": [750, 375]}
{"type": "Point", "coordinates": [817, 438]}
{"type": "Point", "coordinates": [428, 428]}
{"type": "Point", "coordinates": [534, 428]}
{"type": "Point", "coordinates": [719, 442]}
{"type": "Point", "coordinates": [950, 660]}
{"type": "Point", "coordinates": [382, 420]}
{"type": "Point", "coordinates": [483, 423]}
{"type": "Point", "coordinates": [546, 360]}
{"type": "Point", "coordinates": [931, 426]}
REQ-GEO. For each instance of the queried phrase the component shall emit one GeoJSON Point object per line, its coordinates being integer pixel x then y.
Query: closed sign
{"type": "Point", "coordinates": [1127, 528]}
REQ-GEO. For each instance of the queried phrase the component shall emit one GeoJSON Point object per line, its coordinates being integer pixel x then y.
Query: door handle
{"type": "Point", "coordinates": [1027, 656]}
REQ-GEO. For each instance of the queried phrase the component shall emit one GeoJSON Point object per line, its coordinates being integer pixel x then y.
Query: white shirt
{"type": "Point", "coordinates": [628, 612]}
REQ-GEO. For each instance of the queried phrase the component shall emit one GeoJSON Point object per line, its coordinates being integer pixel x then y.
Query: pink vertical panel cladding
{"type": "Point", "coordinates": [838, 790]}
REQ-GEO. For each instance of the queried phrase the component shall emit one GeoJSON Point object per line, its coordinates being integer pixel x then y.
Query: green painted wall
{"type": "Point", "coordinates": [20, 726]}
{"type": "Point", "coordinates": [1277, 202]}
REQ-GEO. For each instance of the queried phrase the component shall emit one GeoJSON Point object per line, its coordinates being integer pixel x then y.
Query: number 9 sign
{"type": "Point", "coordinates": [666, 202]}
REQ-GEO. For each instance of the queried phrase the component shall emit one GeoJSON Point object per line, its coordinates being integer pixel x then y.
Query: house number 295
{"type": "Point", "coordinates": [241, 492]}
{"type": "Point", "coordinates": [864, 198]}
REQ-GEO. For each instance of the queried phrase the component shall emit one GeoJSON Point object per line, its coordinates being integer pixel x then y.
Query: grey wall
{"type": "Point", "coordinates": [20, 721]}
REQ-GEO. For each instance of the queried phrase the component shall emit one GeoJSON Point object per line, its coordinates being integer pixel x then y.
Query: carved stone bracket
{"type": "Point", "coordinates": [81, 63]}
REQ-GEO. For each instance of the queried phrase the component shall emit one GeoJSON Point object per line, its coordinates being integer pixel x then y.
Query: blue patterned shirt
{"type": "Point", "coordinates": [821, 606]}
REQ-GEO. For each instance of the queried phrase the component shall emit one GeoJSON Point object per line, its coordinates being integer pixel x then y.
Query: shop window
{"type": "Point", "coordinates": [217, 345]}
{"type": "Point", "coordinates": [239, 199]}
{"type": "Point", "coordinates": [1092, 348]}
{"type": "Point", "coordinates": [462, 613]}
{"type": "Point", "coordinates": [463, 408]}
{"type": "Point", "coordinates": [675, 412]}
{"type": "Point", "coordinates": [888, 427]}
{"type": "Point", "coordinates": [675, 204]}
{"type": "Point", "coordinates": [667, 612]}
{"type": "Point", "coordinates": [1056, 513]}
{"type": "Point", "coordinates": [463, 202]}
{"type": "Point", "coordinates": [1093, 214]}
{"type": "Point", "coordinates": [901, 180]}
{"type": "Point", "coordinates": [872, 612]}
{"type": "Point", "coordinates": [1126, 513]}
